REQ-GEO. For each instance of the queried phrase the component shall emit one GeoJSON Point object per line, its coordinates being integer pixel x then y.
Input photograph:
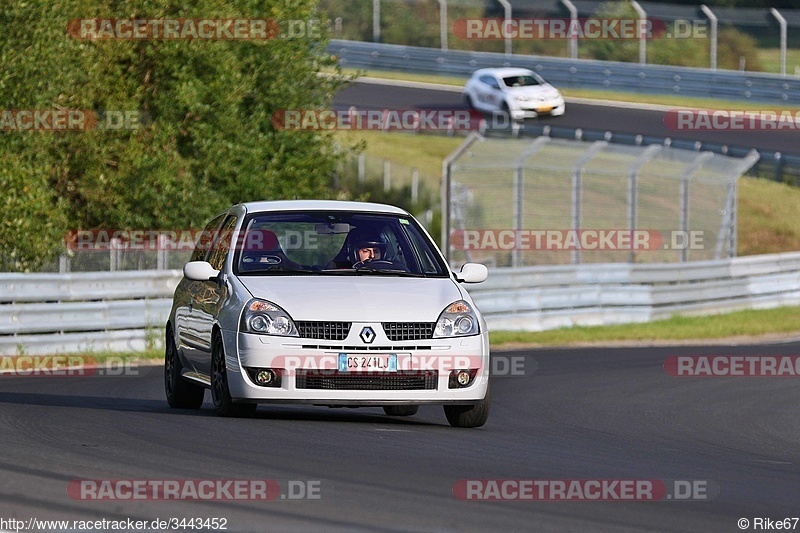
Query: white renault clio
{"type": "Point", "coordinates": [328, 303]}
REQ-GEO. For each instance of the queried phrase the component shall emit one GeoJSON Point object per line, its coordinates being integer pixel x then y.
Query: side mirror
{"type": "Point", "coordinates": [199, 271]}
{"type": "Point", "coordinates": [473, 273]}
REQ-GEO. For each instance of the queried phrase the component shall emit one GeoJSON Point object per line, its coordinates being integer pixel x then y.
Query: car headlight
{"type": "Point", "coordinates": [457, 320]}
{"type": "Point", "coordinates": [523, 98]}
{"type": "Point", "coordinates": [266, 318]}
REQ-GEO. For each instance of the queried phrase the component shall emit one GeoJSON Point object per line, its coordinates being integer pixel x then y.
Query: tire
{"type": "Point", "coordinates": [220, 393]}
{"type": "Point", "coordinates": [469, 416]}
{"type": "Point", "coordinates": [468, 101]}
{"type": "Point", "coordinates": [512, 121]}
{"type": "Point", "coordinates": [401, 410]}
{"type": "Point", "coordinates": [180, 393]}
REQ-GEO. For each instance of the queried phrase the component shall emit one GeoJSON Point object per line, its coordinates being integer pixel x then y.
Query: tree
{"type": "Point", "coordinates": [204, 140]}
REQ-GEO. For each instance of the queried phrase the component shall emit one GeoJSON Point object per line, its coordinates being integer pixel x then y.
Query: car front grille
{"type": "Point", "coordinates": [331, 331]}
{"type": "Point", "coordinates": [408, 331]}
{"type": "Point", "coordinates": [335, 380]}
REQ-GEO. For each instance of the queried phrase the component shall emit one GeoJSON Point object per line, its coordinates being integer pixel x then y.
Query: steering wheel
{"type": "Point", "coordinates": [381, 264]}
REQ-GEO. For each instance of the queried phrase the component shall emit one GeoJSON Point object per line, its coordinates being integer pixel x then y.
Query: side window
{"type": "Point", "coordinates": [490, 81]}
{"type": "Point", "coordinates": [205, 239]}
{"type": "Point", "coordinates": [222, 244]}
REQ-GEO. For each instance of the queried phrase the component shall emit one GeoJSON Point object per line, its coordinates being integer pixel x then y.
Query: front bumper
{"type": "Point", "coordinates": [533, 109]}
{"type": "Point", "coordinates": [299, 356]}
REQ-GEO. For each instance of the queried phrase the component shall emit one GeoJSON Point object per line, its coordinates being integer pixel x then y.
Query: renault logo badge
{"type": "Point", "coordinates": [367, 335]}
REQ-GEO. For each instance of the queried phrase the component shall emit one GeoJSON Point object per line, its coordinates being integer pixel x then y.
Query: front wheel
{"type": "Point", "coordinates": [469, 416]}
{"type": "Point", "coordinates": [468, 101]}
{"type": "Point", "coordinates": [401, 410]}
{"type": "Point", "coordinates": [180, 393]}
{"type": "Point", "coordinates": [220, 392]}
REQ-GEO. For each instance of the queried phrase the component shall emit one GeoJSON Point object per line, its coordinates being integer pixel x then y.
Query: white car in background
{"type": "Point", "coordinates": [341, 304]}
{"type": "Point", "coordinates": [517, 91]}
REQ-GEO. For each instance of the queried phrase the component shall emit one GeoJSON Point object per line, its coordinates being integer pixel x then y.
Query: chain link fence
{"type": "Point", "coordinates": [523, 202]}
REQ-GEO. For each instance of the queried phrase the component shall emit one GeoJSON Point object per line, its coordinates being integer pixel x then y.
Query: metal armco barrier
{"type": "Point", "coordinates": [126, 311]}
{"type": "Point", "coordinates": [578, 73]}
{"type": "Point", "coordinates": [548, 297]}
{"type": "Point", "coordinates": [86, 312]}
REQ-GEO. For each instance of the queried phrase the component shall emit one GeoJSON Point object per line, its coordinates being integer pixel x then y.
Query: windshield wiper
{"type": "Point", "coordinates": [277, 269]}
{"type": "Point", "coordinates": [371, 271]}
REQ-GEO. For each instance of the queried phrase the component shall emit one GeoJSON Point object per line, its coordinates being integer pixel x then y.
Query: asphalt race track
{"type": "Point", "coordinates": [612, 414]}
{"type": "Point", "coordinates": [579, 115]}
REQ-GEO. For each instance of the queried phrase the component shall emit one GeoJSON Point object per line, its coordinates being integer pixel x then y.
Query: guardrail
{"type": "Point", "coordinates": [548, 297]}
{"type": "Point", "coordinates": [578, 73]}
{"type": "Point", "coordinates": [86, 312]}
{"type": "Point", "coordinates": [126, 311]}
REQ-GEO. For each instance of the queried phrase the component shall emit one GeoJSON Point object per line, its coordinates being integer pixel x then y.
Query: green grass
{"type": "Point", "coordinates": [750, 323]}
{"type": "Point", "coordinates": [770, 59]}
{"type": "Point", "coordinates": [148, 355]}
{"type": "Point", "coordinates": [405, 151]}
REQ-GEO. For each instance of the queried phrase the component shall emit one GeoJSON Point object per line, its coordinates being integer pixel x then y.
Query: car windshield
{"type": "Point", "coordinates": [527, 80]}
{"type": "Point", "coordinates": [334, 243]}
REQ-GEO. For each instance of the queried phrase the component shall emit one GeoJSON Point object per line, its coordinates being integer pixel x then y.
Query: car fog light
{"type": "Point", "coordinates": [265, 377]}
{"type": "Point", "coordinates": [462, 377]}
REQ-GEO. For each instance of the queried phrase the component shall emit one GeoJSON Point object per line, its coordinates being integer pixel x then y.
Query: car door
{"type": "Point", "coordinates": [210, 296]}
{"type": "Point", "coordinates": [187, 294]}
{"type": "Point", "coordinates": [491, 95]}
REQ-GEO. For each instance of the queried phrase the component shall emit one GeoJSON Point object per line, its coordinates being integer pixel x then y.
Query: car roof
{"type": "Point", "coordinates": [321, 205]}
{"type": "Point", "coordinates": [503, 71]}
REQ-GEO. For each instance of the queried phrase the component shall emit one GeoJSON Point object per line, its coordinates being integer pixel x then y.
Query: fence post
{"type": "Point", "coordinates": [519, 176]}
{"type": "Point", "coordinates": [443, 23]}
{"type": "Point", "coordinates": [683, 193]}
{"type": "Point", "coordinates": [714, 25]}
{"type": "Point", "coordinates": [577, 189]}
{"type": "Point", "coordinates": [376, 21]}
{"type": "Point", "coordinates": [633, 191]}
{"type": "Point", "coordinates": [414, 185]}
{"type": "Point", "coordinates": [782, 22]}
{"type": "Point", "coordinates": [63, 264]}
{"type": "Point", "coordinates": [573, 28]}
{"type": "Point", "coordinates": [161, 252]}
{"type": "Point", "coordinates": [362, 167]}
{"type": "Point", "coordinates": [387, 175]}
{"type": "Point", "coordinates": [447, 189]}
{"type": "Point", "coordinates": [113, 258]}
{"type": "Point", "coordinates": [642, 26]}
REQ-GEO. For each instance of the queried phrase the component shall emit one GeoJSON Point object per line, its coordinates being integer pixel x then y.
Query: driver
{"type": "Point", "coordinates": [367, 245]}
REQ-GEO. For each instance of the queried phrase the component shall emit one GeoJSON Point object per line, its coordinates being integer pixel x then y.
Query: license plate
{"type": "Point", "coordinates": [368, 363]}
{"type": "Point", "coordinates": [544, 109]}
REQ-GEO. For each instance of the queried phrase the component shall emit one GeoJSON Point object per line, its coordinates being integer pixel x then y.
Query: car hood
{"type": "Point", "coordinates": [543, 91]}
{"type": "Point", "coordinates": [356, 298]}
